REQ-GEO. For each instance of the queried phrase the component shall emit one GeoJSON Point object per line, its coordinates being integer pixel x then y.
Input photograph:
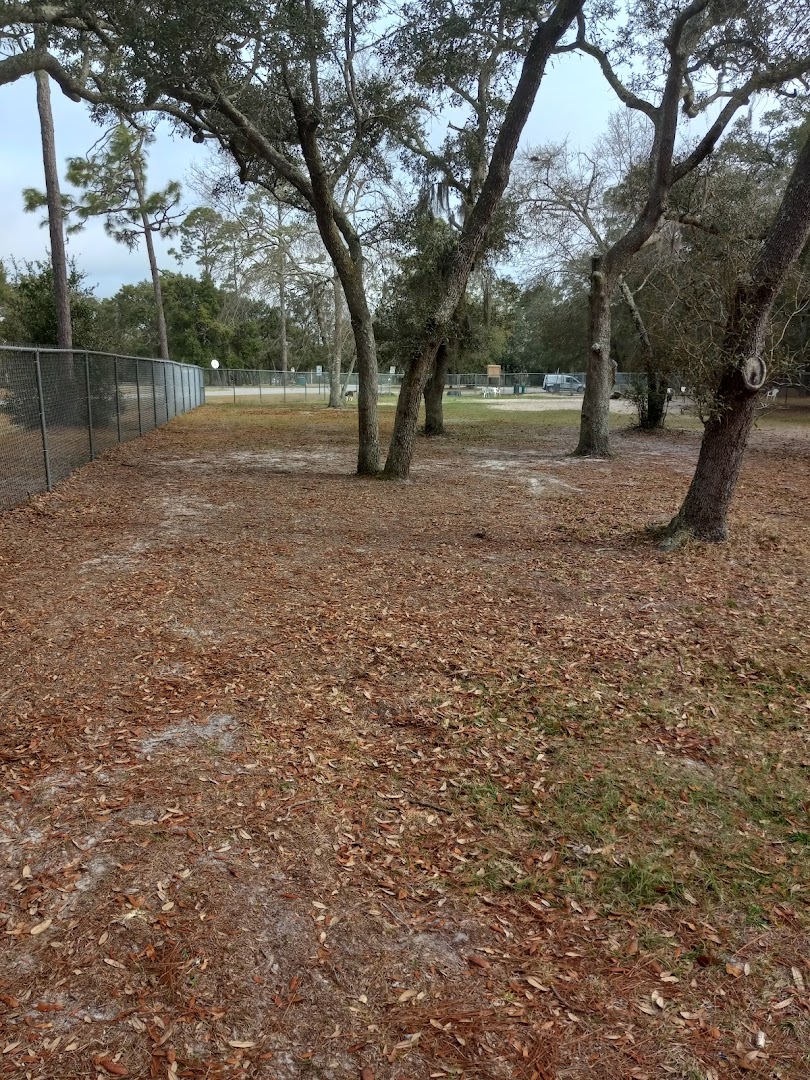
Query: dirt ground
{"type": "Point", "coordinates": [307, 776]}
{"type": "Point", "coordinates": [553, 403]}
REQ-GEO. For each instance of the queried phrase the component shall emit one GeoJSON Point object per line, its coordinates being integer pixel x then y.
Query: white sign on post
{"type": "Point", "coordinates": [392, 370]}
{"type": "Point", "coordinates": [319, 369]}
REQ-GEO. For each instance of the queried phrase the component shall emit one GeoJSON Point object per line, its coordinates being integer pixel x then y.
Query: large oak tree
{"type": "Point", "coordinates": [712, 58]}
{"type": "Point", "coordinates": [705, 508]}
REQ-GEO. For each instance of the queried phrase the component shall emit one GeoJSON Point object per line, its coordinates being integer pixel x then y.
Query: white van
{"type": "Point", "coordinates": [557, 384]}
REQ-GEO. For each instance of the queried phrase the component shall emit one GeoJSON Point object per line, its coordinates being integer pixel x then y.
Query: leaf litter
{"type": "Point", "coordinates": [337, 778]}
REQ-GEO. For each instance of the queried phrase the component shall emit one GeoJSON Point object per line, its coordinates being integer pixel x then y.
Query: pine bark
{"type": "Point", "coordinates": [53, 197]}
{"type": "Point", "coordinates": [160, 315]}
{"type": "Point", "coordinates": [705, 509]}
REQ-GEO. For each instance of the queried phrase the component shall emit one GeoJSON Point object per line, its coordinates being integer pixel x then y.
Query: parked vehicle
{"type": "Point", "coordinates": [557, 384]}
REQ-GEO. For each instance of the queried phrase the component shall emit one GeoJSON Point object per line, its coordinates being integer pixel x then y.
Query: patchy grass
{"type": "Point", "coordinates": [304, 774]}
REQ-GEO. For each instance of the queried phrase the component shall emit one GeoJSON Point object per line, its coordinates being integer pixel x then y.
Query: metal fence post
{"type": "Point", "coordinates": [154, 394]}
{"type": "Point", "coordinates": [89, 406]}
{"type": "Point", "coordinates": [183, 386]}
{"type": "Point", "coordinates": [117, 398]}
{"type": "Point", "coordinates": [42, 422]}
{"type": "Point", "coordinates": [166, 391]}
{"type": "Point", "coordinates": [138, 394]}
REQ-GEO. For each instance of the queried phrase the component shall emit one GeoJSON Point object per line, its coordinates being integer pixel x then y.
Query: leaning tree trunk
{"type": "Point", "coordinates": [705, 508]}
{"type": "Point", "coordinates": [343, 244]}
{"type": "Point", "coordinates": [434, 393]}
{"type": "Point", "coordinates": [61, 289]}
{"type": "Point", "coordinates": [400, 450]}
{"type": "Point", "coordinates": [336, 350]}
{"type": "Point", "coordinates": [594, 437]}
{"type": "Point", "coordinates": [543, 44]}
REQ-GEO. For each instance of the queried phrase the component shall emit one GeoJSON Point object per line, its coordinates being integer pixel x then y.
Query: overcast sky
{"type": "Point", "coordinates": [573, 102]}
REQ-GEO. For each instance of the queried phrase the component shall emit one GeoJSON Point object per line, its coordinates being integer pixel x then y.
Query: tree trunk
{"type": "Point", "coordinates": [594, 437]}
{"type": "Point", "coordinates": [61, 290]}
{"type": "Point", "coordinates": [705, 508]}
{"type": "Point", "coordinates": [336, 351]}
{"type": "Point", "coordinates": [282, 300]}
{"type": "Point", "coordinates": [163, 338]}
{"type": "Point", "coordinates": [368, 450]}
{"type": "Point", "coordinates": [345, 249]}
{"type": "Point", "coordinates": [282, 318]}
{"type": "Point", "coordinates": [656, 409]}
{"type": "Point", "coordinates": [400, 451]}
{"type": "Point", "coordinates": [652, 401]}
{"type": "Point", "coordinates": [473, 235]}
{"type": "Point", "coordinates": [606, 270]}
{"type": "Point", "coordinates": [434, 393]}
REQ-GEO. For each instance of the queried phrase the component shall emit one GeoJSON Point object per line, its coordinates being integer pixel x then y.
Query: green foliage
{"type": "Point", "coordinates": [481, 330]}
{"type": "Point", "coordinates": [112, 180]}
{"type": "Point", "coordinates": [29, 310]}
{"type": "Point", "coordinates": [201, 239]}
{"type": "Point", "coordinates": [202, 323]}
{"type": "Point", "coordinates": [200, 329]}
{"type": "Point", "coordinates": [688, 280]}
{"type": "Point", "coordinates": [113, 185]}
{"type": "Point", "coordinates": [550, 331]}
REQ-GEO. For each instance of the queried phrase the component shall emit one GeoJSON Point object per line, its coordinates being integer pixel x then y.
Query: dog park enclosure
{"type": "Point", "coordinates": [59, 410]}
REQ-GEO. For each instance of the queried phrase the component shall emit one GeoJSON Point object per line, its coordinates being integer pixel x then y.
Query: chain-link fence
{"type": "Point", "coordinates": [228, 378]}
{"type": "Point", "coordinates": [59, 410]}
{"type": "Point", "coordinates": [276, 381]}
